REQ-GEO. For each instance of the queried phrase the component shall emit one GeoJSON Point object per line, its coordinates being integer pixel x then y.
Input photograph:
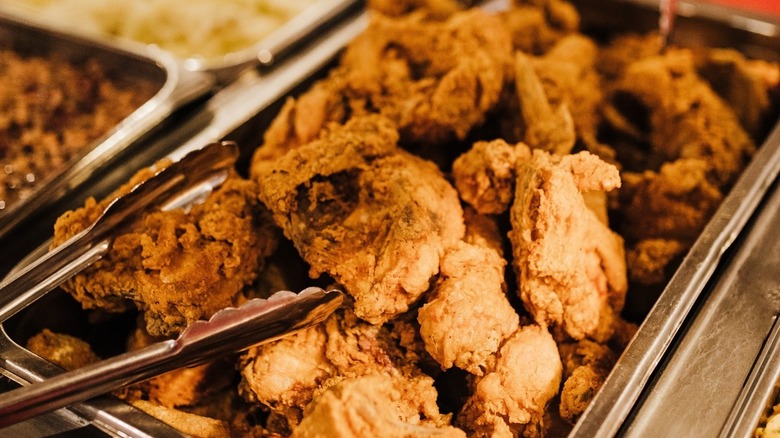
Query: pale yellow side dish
{"type": "Point", "coordinates": [186, 28]}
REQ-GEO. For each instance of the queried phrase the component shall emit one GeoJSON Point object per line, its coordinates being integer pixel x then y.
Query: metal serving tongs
{"type": "Point", "coordinates": [228, 331]}
{"type": "Point", "coordinates": [175, 186]}
{"type": "Point", "coordinates": [179, 185]}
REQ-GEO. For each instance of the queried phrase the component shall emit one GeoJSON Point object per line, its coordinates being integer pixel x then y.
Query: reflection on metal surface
{"type": "Point", "coordinates": [702, 380]}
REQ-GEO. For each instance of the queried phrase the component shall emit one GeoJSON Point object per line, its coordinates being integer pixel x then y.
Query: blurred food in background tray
{"type": "Point", "coordinates": [186, 28]}
{"type": "Point", "coordinates": [51, 108]}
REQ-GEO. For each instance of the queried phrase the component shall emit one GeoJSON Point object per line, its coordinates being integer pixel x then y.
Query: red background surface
{"type": "Point", "coordinates": [771, 7]}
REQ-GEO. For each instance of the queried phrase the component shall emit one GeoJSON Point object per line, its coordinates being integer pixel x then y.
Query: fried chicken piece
{"type": "Point", "coordinates": [514, 394]}
{"type": "Point", "coordinates": [586, 365]}
{"type": "Point", "coordinates": [438, 9]}
{"type": "Point", "coordinates": [746, 85]}
{"type": "Point", "coordinates": [62, 350]}
{"type": "Point", "coordinates": [357, 207]}
{"type": "Point", "coordinates": [180, 388]}
{"type": "Point", "coordinates": [288, 374]}
{"type": "Point", "coordinates": [190, 424]}
{"type": "Point", "coordinates": [568, 75]}
{"type": "Point", "coordinates": [482, 230]}
{"type": "Point", "coordinates": [537, 25]}
{"type": "Point", "coordinates": [681, 117]}
{"type": "Point", "coordinates": [663, 214]}
{"type": "Point", "coordinates": [434, 80]}
{"type": "Point", "coordinates": [175, 266]}
{"type": "Point", "coordinates": [675, 203]}
{"type": "Point", "coordinates": [547, 128]}
{"type": "Point", "coordinates": [571, 266]}
{"type": "Point", "coordinates": [648, 260]}
{"type": "Point", "coordinates": [485, 174]}
{"type": "Point", "coordinates": [377, 406]}
{"type": "Point", "coordinates": [470, 288]}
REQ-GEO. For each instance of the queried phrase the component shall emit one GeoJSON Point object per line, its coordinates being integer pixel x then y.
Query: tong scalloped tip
{"type": "Point", "coordinates": [228, 331]}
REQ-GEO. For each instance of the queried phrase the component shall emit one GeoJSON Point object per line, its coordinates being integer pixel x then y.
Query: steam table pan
{"type": "Point", "coordinates": [241, 111]}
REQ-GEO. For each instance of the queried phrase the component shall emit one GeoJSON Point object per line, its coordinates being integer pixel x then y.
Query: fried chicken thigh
{"type": "Point", "coordinates": [175, 266]}
{"type": "Point", "coordinates": [357, 207]}
{"type": "Point", "coordinates": [571, 266]}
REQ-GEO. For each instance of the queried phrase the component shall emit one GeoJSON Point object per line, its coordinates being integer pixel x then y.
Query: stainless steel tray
{"type": "Point", "coordinates": [175, 88]}
{"type": "Point", "coordinates": [243, 109]}
{"type": "Point", "coordinates": [225, 68]}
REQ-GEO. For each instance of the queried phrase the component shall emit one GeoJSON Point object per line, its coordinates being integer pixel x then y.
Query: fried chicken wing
{"type": "Point", "coordinates": [287, 374]}
{"type": "Point", "coordinates": [377, 406]}
{"type": "Point", "coordinates": [177, 267]}
{"type": "Point", "coordinates": [357, 207]}
{"type": "Point", "coordinates": [571, 266]}
{"type": "Point", "coordinates": [513, 395]}
{"type": "Point", "coordinates": [470, 288]}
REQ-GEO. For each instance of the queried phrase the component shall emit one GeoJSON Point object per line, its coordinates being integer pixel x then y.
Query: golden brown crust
{"type": "Point", "coordinates": [571, 266]}
{"type": "Point", "coordinates": [485, 174]}
{"type": "Point", "coordinates": [63, 350]}
{"type": "Point", "coordinates": [470, 288]}
{"type": "Point", "coordinates": [377, 406]}
{"type": "Point", "coordinates": [287, 374]}
{"type": "Point", "coordinates": [177, 267]}
{"type": "Point", "coordinates": [357, 207]}
{"type": "Point", "coordinates": [515, 393]}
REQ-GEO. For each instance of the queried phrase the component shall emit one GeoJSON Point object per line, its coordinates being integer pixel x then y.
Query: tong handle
{"type": "Point", "coordinates": [228, 331]}
{"type": "Point", "coordinates": [48, 272]}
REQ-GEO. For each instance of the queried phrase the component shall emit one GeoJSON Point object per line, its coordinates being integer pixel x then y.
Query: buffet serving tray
{"type": "Point", "coordinates": [174, 88]}
{"type": "Point", "coordinates": [241, 111]}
